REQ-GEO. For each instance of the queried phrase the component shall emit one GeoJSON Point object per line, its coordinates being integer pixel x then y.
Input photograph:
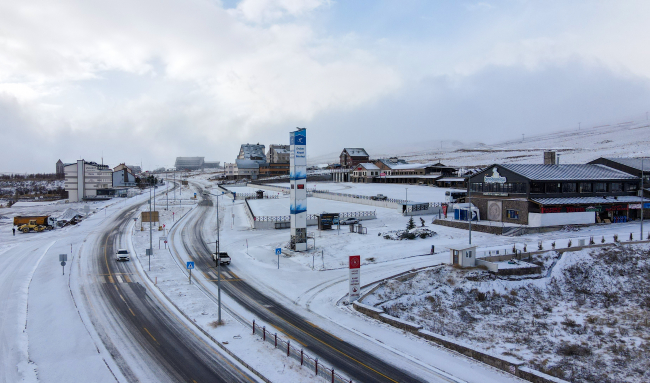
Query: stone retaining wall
{"type": "Point", "coordinates": [511, 365]}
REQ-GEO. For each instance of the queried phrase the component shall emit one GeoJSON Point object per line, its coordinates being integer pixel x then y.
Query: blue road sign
{"type": "Point", "coordinates": [190, 265]}
{"type": "Point", "coordinates": [278, 251]}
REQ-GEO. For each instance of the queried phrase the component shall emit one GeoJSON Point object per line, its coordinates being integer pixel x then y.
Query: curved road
{"type": "Point", "coordinates": [356, 363]}
{"type": "Point", "coordinates": [178, 351]}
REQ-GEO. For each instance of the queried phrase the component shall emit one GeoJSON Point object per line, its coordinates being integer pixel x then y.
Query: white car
{"type": "Point", "coordinates": [122, 255]}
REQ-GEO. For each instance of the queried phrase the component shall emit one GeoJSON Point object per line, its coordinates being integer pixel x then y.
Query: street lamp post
{"type": "Point", "coordinates": [642, 199]}
{"type": "Point", "coordinates": [217, 258]}
{"type": "Point", "coordinates": [407, 195]}
{"type": "Point", "coordinates": [150, 232]}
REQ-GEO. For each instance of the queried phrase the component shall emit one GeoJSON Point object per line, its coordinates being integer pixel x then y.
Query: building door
{"type": "Point", "coordinates": [455, 257]}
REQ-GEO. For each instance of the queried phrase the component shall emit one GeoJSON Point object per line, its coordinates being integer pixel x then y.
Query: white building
{"type": "Point", "coordinates": [82, 179]}
{"type": "Point", "coordinates": [230, 170]}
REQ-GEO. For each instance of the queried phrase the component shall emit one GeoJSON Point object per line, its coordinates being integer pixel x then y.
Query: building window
{"type": "Point", "coordinates": [536, 187]}
{"type": "Point", "coordinates": [631, 186]}
{"type": "Point", "coordinates": [600, 187]}
{"type": "Point", "coordinates": [569, 187]}
{"type": "Point", "coordinates": [512, 214]}
{"type": "Point", "coordinates": [585, 187]}
{"type": "Point", "coordinates": [477, 187]}
{"type": "Point", "coordinates": [553, 187]}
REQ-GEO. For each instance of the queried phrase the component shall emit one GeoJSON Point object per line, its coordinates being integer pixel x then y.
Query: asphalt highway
{"type": "Point", "coordinates": [183, 355]}
{"type": "Point", "coordinates": [353, 361]}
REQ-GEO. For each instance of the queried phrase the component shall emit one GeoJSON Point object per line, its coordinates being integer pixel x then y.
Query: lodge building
{"type": "Point", "coordinates": [547, 195]}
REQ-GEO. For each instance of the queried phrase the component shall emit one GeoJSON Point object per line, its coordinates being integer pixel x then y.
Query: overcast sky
{"type": "Point", "coordinates": [149, 80]}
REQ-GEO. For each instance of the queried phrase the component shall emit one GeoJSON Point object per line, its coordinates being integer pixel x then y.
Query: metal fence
{"type": "Point", "coordinates": [300, 355]}
{"type": "Point", "coordinates": [282, 218]}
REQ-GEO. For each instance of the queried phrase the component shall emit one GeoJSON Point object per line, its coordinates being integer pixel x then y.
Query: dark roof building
{"type": "Point", "coordinates": [529, 194]}
{"type": "Point", "coordinates": [351, 157]}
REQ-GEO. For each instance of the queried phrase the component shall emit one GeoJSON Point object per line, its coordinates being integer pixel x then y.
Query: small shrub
{"type": "Point", "coordinates": [411, 224]}
{"type": "Point", "coordinates": [573, 350]}
{"type": "Point", "coordinates": [602, 240]}
{"type": "Point", "coordinates": [480, 296]}
{"type": "Point", "coordinates": [423, 235]}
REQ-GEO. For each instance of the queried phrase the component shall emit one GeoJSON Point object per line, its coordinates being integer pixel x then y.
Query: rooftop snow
{"type": "Point", "coordinates": [540, 172]}
{"type": "Point", "coordinates": [633, 162]}
{"type": "Point", "coordinates": [356, 152]}
{"type": "Point", "coordinates": [588, 200]}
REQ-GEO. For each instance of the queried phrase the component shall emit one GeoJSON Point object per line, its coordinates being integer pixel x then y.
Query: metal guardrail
{"type": "Point", "coordinates": [305, 359]}
{"type": "Point", "coordinates": [283, 218]}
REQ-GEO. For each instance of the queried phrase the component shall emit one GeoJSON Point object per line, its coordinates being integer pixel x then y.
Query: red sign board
{"type": "Point", "coordinates": [355, 261]}
{"type": "Point", "coordinates": [301, 186]}
{"type": "Point", "coordinates": [383, 174]}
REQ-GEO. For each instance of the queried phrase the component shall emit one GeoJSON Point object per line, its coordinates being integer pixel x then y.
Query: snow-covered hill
{"type": "Point", "coordinates": [574, 146]}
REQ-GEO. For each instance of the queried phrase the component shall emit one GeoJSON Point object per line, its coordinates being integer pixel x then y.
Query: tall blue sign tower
{"type": "Point", "coordinates": [298, 196]}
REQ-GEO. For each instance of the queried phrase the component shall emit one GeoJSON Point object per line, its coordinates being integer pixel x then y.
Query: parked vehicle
{"type": "Point", "coordinates": [349, 221]}
{"type": "Point", "coordinates": [122, 255]}
{"type": "Point", "coordinates": [224, 258]}
{"type": "Point", "coordinates": [379, 197]}
{"type": "Point", "coordinates": [34, 223]}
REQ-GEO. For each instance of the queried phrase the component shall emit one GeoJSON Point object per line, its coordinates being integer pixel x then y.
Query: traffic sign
{"type": "Point", "coordinates": [190, 265]}
{"type": "Point", "coordinates": [63, 257]}
{"type": "Point", "coordinates": [62, 263]}
{"type": "Point", "coordinates": [354, 278]}
{"type": "Point", "coordinates": [278, 251]}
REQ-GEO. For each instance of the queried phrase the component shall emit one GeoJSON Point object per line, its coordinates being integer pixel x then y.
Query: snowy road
{"type": "Point", "coordinates": [175, 352]}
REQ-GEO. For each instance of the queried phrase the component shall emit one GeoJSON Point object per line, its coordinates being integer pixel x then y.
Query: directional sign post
{"type": "Point", "coordinates": [190, 266]}
{"type": "Point", "coordinates": [355, 278]}
{"type": "Point", "coordinates": [278, 251]}
{"type": "Point", "coordinates": [62, 259]}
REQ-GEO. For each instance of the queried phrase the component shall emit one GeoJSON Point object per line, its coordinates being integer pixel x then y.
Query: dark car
{"type": "Point", "coordinates": [349, 221]}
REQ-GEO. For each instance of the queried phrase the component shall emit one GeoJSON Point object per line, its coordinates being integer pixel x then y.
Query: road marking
{"type": "Point", "coordinates": [154, 339]}
{"type": "Point", "coordinates": [102, 279]}
{"type": "Point", "coordinates": [213, 275]}
{"type": "Point", "coordinates": [110, 279]}
{"type": "Point", "coordinates": [127, 279]}
{"type": "Point", "coordinates": [327, 344]}
{"type": "Point", "coordinates": [131, 311]}
{"type": "Point", "coordinates": [234, 275]}
{"type": "Point", "coordinates": [224, 280]}
{"type": "Point", "coordinates": [119, 279]}
{"type": "Point", "coordinates": [123, 300]}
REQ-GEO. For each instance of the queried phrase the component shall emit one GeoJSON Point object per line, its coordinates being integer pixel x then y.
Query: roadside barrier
{"type": "Point", "coordinates": [299, 354]}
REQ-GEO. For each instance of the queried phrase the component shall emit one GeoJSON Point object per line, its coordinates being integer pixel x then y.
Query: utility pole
{"type": "Point", "coordinates": [469, 202]}
{"type": "Point", "coordinates": [579, 123]}
{"type": "Point", "coordinates": [150, 232]}
{"type": "Point", "coordinates": [218, 264]}
{"type": "Point", "coordinates": [642, 198]}
{"type": "Point", "coordinates": [407, 195]}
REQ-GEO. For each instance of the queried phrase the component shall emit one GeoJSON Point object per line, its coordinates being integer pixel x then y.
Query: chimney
{"type": "Point", "coordinates": [549, 158]}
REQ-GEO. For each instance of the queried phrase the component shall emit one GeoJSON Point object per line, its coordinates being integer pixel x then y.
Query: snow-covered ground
{"type": "Point", "coordinates": [416, 193]}
{"type": "Point", "coordinates": [280, 206]}
{"type": "Point", "coordinates": [586, 321]}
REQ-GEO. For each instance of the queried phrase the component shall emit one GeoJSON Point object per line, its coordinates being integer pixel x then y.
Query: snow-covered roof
{"type": "Point", "coordinates": [588, 200]}
{"type": "Point", "coordinates": [369, 166]}
{"type": "Point", "coordinates": [451, 179]}
{"type": "Point", "coordinates": [408, 166]}
{"type": "Point", "coordinates": [248, 151]}
{"type": "Point", "coordinates": [356, 152]}
{"type": "Point", "coordinates": [541, 172]}
{"type": "Point", "coordinates": [247, 164]}
{"type": "Point", "coordinates": [633, 162]}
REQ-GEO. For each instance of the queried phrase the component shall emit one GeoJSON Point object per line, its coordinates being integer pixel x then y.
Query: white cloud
{"type": "Point", "coordinates": [261, 11]}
